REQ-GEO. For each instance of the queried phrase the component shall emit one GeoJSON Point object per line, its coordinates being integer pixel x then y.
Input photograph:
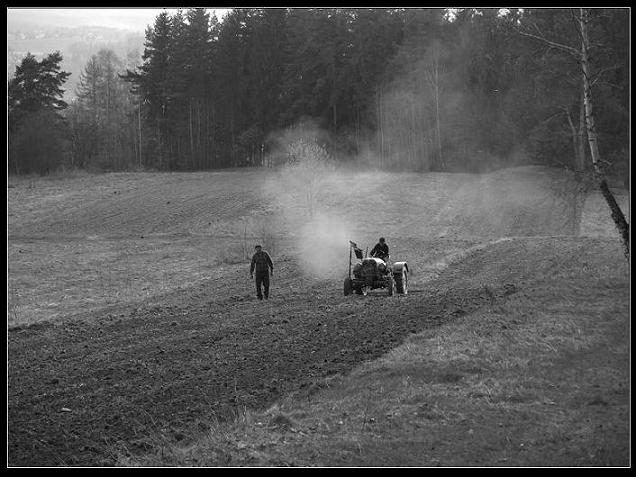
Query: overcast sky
{"type": "Point", "coordinates": [129, 18]}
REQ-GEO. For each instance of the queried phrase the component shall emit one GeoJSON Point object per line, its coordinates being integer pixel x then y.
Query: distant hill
{"type": "Point", "coordinates": [76, 44]}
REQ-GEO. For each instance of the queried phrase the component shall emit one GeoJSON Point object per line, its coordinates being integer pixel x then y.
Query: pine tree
{"type": "Point", "coordinates": [153, 84]}
{"type": "Point", "coordinates": [197, 37]}
{"type": "Point", "coordinates": [36, 127]}
{"type": "Point", "coordinates": [37, 85]}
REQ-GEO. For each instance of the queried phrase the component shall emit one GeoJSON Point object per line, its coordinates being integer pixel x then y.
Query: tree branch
{"type": "Point", "coordinates": [577, 23]}
{"type": "Point", "coordinates": [545, 121]}
{"type": "Point", "coordinates": [536, 27]}
{"type": "Point", "coordinates": [568, 49]}
{"type": "Point", "coordinates": [611, 85]}
{"type": "Point", "coordinates": [598, 75]}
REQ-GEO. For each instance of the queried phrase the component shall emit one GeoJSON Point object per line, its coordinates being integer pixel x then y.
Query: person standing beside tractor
{"type": "Point", "coordinates": [381, 250]}
{"type": "Point", "coordinates": [263, 266]}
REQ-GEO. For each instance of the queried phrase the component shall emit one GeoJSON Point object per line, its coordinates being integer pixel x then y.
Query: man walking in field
{"type": "Point", "coordinates": [262, 264]}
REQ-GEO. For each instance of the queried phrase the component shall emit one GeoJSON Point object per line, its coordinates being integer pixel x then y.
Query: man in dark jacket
{"type": "Point", "coordinates": [262, 264]}
{"type": "Point", "coordinates": [381, 250]}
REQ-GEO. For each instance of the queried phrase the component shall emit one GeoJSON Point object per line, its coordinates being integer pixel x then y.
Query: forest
{"type": "Point", "coordinates": [396, 89]}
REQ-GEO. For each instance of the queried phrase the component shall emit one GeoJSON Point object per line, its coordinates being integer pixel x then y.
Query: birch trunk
{"type": "Point", "coordinates": [617, 214]}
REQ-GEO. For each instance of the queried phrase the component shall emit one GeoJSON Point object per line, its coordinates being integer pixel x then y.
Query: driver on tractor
{"type": "Point", "coordinates": [381, 250]}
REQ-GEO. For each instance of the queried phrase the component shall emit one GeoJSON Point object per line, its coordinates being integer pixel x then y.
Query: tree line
{"type": "Point", "coordinates": [393, 88]}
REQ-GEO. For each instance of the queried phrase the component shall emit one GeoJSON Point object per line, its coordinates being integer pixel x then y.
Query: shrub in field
{"type": "Point", "coordinates": [308, 166]}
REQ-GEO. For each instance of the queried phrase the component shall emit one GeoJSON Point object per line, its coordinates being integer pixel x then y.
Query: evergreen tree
{"type": "Point", "coordinates": [420, 88]}
{"type": "Point", "coordinates": [152, 83]}
{"type": "Point", "coordinates": [197, 76]}
{"type": "Point", "coordinates": [38, 84]}
{"type": "Point", "coordinates": [34, 120]}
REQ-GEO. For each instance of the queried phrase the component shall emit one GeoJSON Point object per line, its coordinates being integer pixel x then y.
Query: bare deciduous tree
{"type": "Point", "coordinates": [308, 164]}
{"type": "Point", "coordinates": [582, 56]}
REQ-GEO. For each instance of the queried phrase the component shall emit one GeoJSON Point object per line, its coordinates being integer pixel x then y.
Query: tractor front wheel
{"type": "Point", "coordinates": [391, 286]}
{"type": "Point", "coordinates": [402, 282]}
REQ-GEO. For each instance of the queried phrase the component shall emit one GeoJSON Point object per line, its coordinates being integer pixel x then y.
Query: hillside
{"type": "Point", "coordinates": [86, 242]}
{"type": "Point", "coordinates": [145, 332]}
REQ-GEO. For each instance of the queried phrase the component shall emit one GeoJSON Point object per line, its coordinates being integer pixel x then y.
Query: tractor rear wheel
{"type": "Point", "coordinates": [402, 282]}
{"type": "Point", "coordinates": [348, 286]}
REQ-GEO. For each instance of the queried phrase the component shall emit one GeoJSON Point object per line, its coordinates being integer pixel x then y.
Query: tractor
{"type": "Point", "coordinates": [370, 273]}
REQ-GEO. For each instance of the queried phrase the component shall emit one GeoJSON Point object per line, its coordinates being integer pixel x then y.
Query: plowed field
{"type": "Point", "coordinates": [131, 313]}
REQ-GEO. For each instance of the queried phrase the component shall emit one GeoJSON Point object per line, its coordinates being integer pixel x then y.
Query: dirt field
{"type": "Point", "coordinates": [133, 323]}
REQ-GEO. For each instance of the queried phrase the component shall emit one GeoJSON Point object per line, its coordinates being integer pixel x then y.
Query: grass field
{"type": "Point", "coordinates": [130, 305]}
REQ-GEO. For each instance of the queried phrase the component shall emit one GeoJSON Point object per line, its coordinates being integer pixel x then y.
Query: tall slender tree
{"type": "Point", "coordinates": [102, 117]}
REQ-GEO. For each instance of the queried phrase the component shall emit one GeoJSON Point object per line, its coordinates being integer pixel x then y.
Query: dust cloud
{"type": "Point", "coordinates": [321, 203]}
{"type": "Point", "coordinates": [324, 246]}
{"type": "Point", "coordinates": [299, 191]}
